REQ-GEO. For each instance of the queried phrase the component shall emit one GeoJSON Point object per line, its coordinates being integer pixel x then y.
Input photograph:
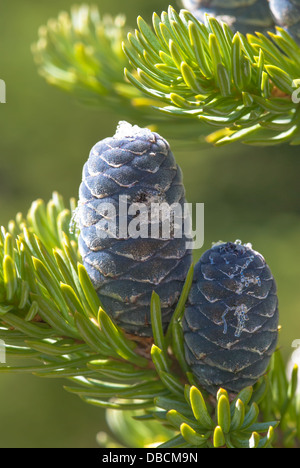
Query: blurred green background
{"type": "Point", "coordinates": [252, 194]}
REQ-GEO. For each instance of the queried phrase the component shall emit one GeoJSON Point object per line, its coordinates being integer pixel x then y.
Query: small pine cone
{"type": "Point", "coordinates": [286, 13]}
{"type": "Point", "coordinates": [245, 16]}
{"type": "Point", "coordinates": [231, 319]}
{"type": "Point", "coordinates": [126, 268]}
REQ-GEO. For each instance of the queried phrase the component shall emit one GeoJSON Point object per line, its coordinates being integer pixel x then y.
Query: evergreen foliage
{"type": "Point", "coordinates": [190, 80]}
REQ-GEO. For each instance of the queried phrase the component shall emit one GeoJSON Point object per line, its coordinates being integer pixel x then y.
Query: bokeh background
{"type": "Point", "coordinates": [252, 194]}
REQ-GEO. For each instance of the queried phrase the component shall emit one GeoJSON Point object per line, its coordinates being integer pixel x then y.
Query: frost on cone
{"type": "Point", "coordinates": [231, 319]}
{"type": "Point", "coordinates": [286, 14]}
{"type": "Point", "coordinates": [135, 165]}
{"type": "Point", "coordinates": [245, 16]}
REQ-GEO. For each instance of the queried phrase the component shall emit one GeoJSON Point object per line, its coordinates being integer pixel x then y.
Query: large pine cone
{"type": "Point", "coordinates": [231, 319]}
{"type": "Point", "coordinates": [126, 269]}
{"type": "Point", "coordinates": [286, 13]}
{"type": "Point", "coordinates": [245, 16]}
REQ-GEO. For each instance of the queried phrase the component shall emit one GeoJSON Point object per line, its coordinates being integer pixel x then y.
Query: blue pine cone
{"type": "Point", "coordinates": [286, 14]}
{"type": "Point", "coordinates": [231, 318]}
{"type": "Point", "coordinates": [126, 261]}
{"type": "Point", "coordinates": [245, 16]}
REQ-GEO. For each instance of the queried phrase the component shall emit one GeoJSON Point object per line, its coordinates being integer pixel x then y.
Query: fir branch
{"type": "Point", "coordinates": [51, 317]}
{"type": "Point", "coordinates": [81, 53]}
{"type": "Point", "coordinates": [243, 86]}
{"type": "Point", "coordinates": [199, 76]}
